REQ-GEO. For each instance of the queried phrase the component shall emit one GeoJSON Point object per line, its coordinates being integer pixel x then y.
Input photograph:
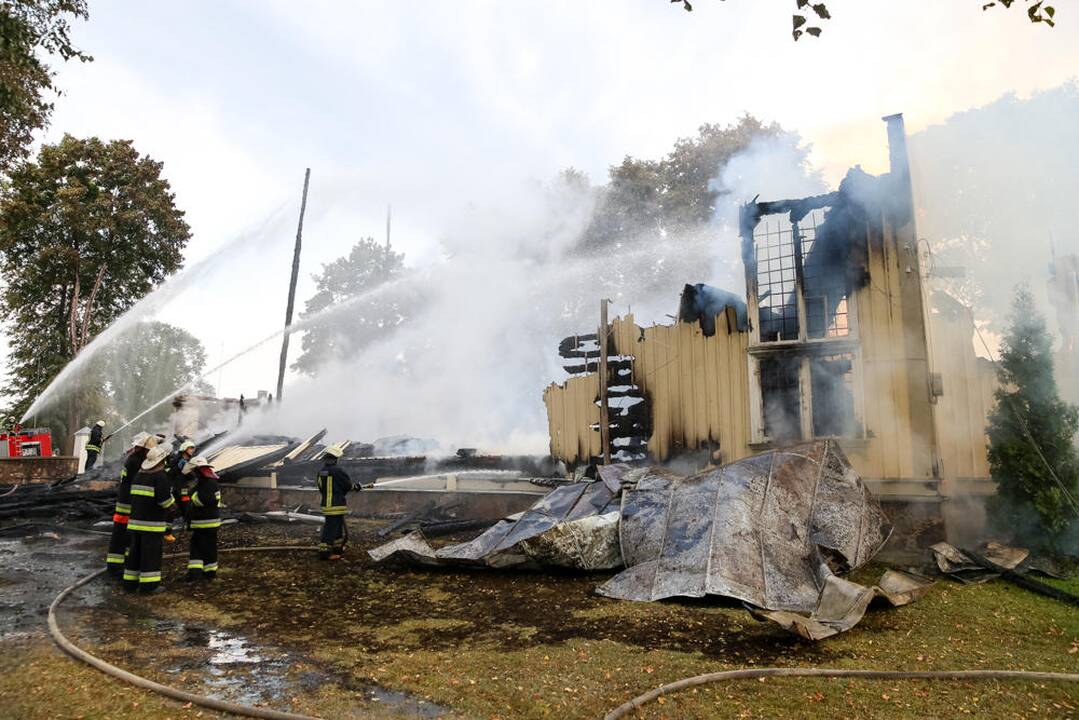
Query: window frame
{"type": "Point", "coordinates": [805, 348]}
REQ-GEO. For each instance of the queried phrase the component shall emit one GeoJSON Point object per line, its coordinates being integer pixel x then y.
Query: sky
{"type": "Point", "coordinates": [435, 106]}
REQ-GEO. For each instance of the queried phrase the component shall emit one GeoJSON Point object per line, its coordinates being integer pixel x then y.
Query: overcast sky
{"type": "Point", "coordinates": [431, 105]}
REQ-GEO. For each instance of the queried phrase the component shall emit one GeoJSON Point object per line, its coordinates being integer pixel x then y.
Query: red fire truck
{"type": "Point", "coordinates": [28, 442]}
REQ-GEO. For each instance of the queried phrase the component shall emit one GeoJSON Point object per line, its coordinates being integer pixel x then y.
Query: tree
{"type": "Point", "coordinates": [31, 30]}
{"type": "Point", "coordinates": [142, 366]}
{"type": "Point", "coordinates": [1030, 431]}
{"type": "Point", "coordinates": [1037, 12]}
{"type": "Point", "coordinates": [85, 231]}
{"type": "Point", "coordinates": [671, 194]}
{"type": "Point", "coordinates": [339, 336]}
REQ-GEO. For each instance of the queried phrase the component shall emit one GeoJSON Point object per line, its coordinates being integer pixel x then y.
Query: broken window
{"type": "Point", "coordinates": [788, 255]}
{"type": "Point", "coordinates": [781, 397]}
{"type": "Point", "coordinates": [832, 381]}
{"type": "Point", "coordinates": [826, 286]}
{"type": "Point", "coordinates": [777, 300]}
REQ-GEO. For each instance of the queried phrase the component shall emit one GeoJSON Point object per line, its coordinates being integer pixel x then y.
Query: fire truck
{"type": "Point", "coordinates": [26, 442]}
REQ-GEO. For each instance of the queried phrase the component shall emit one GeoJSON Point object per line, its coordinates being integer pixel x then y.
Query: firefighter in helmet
{"type": "Point", "coordinates": [93, 447]}
{"type": "Point", "coordinates": [333, 485]}
{"type": "Point", "coordinates": [205, 518]}
{"type": "Point", "coordinates": [174, 466]}
{"type": "Point", "coordinates": [152, 507]}
{"type": "Point", "coordinates": [141, 444]}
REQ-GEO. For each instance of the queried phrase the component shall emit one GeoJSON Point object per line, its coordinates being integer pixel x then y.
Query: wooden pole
{"type": "Point", "coordinates": [292, 288]}
{"type": "Point", "coordinates": [604, 414]}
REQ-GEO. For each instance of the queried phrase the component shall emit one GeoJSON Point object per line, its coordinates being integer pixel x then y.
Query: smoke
{"type": "Point", "coordinates": [777, 167]}
{"type": "Point", "coordinates": [485, 317]}
{"type": "Point", "coordinates": [506, 284]}
{"type": "Point", "coordinates": [994, 191]}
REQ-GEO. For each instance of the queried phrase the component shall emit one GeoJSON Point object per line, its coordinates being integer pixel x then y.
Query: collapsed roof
{"type": "Point", "coordinates": [771, 530]}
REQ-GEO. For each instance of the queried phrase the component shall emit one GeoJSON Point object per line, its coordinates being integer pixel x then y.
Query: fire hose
{"type": "Point", "coordinates": [628, 707]}
{"type": "Point", "coordinates": [621, 711]}
{"type": "Point", "coordinates": [201, 700]}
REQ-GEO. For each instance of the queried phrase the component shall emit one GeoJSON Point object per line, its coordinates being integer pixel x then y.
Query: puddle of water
{"type": "Point", "coordinates": [34, 569]}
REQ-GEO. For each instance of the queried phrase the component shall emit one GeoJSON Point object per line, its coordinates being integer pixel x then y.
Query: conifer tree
{"type": "Point", "coordinates": [1032, 453]}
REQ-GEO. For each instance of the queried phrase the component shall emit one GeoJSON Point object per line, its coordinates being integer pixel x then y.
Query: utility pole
{"type": "Point", "coordinates": [604, 414]}
{"type": "Point", "coordinates": [292, 289]}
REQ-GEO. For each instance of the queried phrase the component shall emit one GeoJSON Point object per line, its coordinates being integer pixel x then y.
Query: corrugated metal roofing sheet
{"type": "Point", "coordinates": [232, 455]}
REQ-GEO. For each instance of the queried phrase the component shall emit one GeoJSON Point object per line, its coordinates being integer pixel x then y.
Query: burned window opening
{"type": "Point", "coordinates": [832, 384]}
{"type": "Point", "coordinates": [777, 301]}
{"type": "Point", "coordinates": [792, 250]}
{"type": "Point", "coordinates": [781, 398]}
{"type": "Point", "coordinates": [825, 286]}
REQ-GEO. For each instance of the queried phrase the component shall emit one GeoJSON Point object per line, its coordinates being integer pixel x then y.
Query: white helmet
{"type": "Point", "coordinates": [143, 440]}
{"type": "Point", "coordinates": [195, 462]}
{"type": "Point", "coordinates": [155, 457]}
{"type": "Point", "coordinates": [334, 451]}
{"type": "Point", "coordinates": [186, 445]}
{"type": "Point", "coordinates": [100, 423]}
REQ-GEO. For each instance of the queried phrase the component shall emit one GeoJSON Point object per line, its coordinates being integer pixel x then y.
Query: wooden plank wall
{"type": "Point", "coordinates": [895, 370]}
{"type": "Point", "coordinates": [698, 385]}
{"type": "Point", "coordinates": [962, 412]}
{"type": "Point", "coordinates": [572, 410]}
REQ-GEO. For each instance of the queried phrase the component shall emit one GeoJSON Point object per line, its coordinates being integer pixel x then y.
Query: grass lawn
{"type": "Point", "coordinates": [537, 645]}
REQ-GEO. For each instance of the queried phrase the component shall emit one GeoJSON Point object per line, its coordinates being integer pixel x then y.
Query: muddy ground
{"type": "Point", "coordinates": [349, 639]}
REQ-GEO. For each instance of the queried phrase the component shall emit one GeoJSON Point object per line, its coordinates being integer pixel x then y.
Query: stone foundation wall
{"type": "Point", "coordinates": [383, 503]}
{"type": "Point", "coordinates": [37, 470]}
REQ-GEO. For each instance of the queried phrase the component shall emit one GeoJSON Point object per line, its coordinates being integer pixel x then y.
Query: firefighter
{"type": "Point", "coordinates": [333, 485]}
{"type": "Point", "coordinates": [93, 448]}
{"type": "Point", "coordinates": [152, 505]}
{"type": "Point", "coordinates": [140, 445]}
{"type": "Point", "coordinates": [174, 466]}
{"type": "Point", "coordinates": [205, 519]}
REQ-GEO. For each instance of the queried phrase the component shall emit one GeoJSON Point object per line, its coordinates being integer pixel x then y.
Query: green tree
{"type": "Point", "coordinates": [86, 230]}
{"type": "Point", "coordinates": [30, 31]}
{"type": "Point", "coordinates": [140, 368]}
{"type": "Point", "coordinates": [671, 194]}
{"type": "Point", "coordinates": [340, 335]}
{"type": "Point", "coordinates": [1030, 431]}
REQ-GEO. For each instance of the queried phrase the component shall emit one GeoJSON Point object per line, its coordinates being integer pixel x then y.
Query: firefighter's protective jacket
{"type": "Point", "coordinates": [205, 502]}
{"type": "Point", "coordinates": [333, 484]}
{"type": "Point", "coordinates": [151, 498]}
{"type": "Point", "coordinates": [174, 465]}
{"type": "Point", "coordinates": [132, 464]}
{"type": "Point", "coordinates": [95, 439]}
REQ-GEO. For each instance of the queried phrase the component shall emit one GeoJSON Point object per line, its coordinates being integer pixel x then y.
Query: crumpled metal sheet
{"type": "Point", "coordinates": [842, 604]}
{"type": "Point", "coordinates": [573, 526]}
{"type": "Point", "coordinates": [752, 530]}
{"type": "Point", "coordinates": [959, 565]}
{"type": "Point", "coordinates": [770, 530]}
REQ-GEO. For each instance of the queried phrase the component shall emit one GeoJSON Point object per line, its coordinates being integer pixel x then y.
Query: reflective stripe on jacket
{"type": "Point", "coordinates": [333, 485]}
{"type": "Point", "coordinates": [205, 503]}
{"type": "Point", "coordinates": [151, 497]}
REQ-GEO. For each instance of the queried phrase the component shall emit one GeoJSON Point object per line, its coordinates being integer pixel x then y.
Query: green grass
{"type": "Point", "coordinates": [544, 645]}
{"type": "Point", "coordinates": [536, 645]}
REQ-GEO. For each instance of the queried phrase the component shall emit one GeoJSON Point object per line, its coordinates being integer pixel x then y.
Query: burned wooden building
{"type": "Point", "coordinates": [840, 336]}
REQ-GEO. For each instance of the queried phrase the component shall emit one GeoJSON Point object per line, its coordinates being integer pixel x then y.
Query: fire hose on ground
{"type": "Point", "coordinates": [138, 681]}
{"type": "Point", "coordinates": [621, 711]}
